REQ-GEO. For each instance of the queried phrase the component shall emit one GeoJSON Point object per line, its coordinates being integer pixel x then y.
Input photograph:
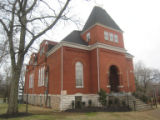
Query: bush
{"type": "Point", "coordinates": [102, 97]}
{"type": "Point", "coordinates": [116, 101]}
{"type": "Point", "coordinates": [83, 104]}
{"type": "Point", "coordinates": [90, 103]}
{"type": "Point", "coordinates": [73, 104]}
{"type": "Point", "coordinates": [124, 103]}
{"type": "Point", "coordinates": [110, 102]}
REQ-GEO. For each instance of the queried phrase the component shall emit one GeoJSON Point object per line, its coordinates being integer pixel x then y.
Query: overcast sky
{"type": "Point", "coordinates": [139, 19]}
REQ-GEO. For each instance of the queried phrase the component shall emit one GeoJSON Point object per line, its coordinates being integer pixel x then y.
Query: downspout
{"type": "Point", "coordinates": [61, 77]}
{"type": "Point", "coordinates": [128, 81]}
{"type": "Point", "coordinates": [62, 69]}
{"type": "Point", "coordinates": [98, 69]}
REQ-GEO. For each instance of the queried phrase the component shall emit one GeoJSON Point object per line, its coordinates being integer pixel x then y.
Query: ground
{"type": "Point", "coordinates": [37, 113]}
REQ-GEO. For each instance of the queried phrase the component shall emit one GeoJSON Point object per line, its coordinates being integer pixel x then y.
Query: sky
{"type": "Point", "coordinates": [139, 19]}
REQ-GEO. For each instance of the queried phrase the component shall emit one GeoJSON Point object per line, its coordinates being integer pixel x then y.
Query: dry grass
{"type": "Point", "coordinates": [39, 113]}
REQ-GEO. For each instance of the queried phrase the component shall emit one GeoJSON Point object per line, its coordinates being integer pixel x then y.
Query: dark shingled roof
{"type": "Point", "coordinates": [99, 15]}
{"type": "Point", "coordinates": [75, 38]}
{"type": "Point", "coordinates": [50, 46]}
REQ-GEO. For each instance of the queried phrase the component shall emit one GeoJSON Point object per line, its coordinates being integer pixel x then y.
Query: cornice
{"type": "Point", "coordinates": [129, 56]}
{"type": "Point", "coordinates": [101, 26]}
{"type": "Point", "coordinates": [84, 47]}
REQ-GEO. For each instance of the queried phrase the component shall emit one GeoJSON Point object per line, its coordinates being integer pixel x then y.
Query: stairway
{"type": "Point", "coordinates": [137, 104]}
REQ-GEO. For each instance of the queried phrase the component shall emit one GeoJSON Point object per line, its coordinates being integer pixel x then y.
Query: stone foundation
{"type": "Point", "coordinates": [60, 102]}
{"type": "Point", "coordinates": [66, 101]}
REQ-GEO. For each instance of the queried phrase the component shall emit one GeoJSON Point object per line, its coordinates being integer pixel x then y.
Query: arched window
{"type": "Point", "coordinates": [79, 74]}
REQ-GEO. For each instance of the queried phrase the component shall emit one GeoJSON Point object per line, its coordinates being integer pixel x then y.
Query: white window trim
{"type": "Point", "coordinates": [106, 35]}
{"type": "Point", "coordinates": [31, 80]}
{"type": "Point", "coordinates": [116, 40]}
{"type": "Point", "coordinates": [41, 76]}
{"type": "Point", "coordinates": [79, 86]}
{"type": "Point", "coordinates": [88, 36]}
{"type": "Point", "coordinates": [111, 36]}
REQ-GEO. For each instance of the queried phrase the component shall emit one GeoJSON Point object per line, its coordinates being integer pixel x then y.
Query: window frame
{"type": "Point", "coordinates": [106, 35]}
{"type": "Point", "coordinates": [41, 76]}
{"type": "Point", "coordinates": [81, 74]}
{"type": "Point", "coordinates": [111, 37]}
{"type": "Point", "coordinates": [116, 38]}
{"type": "Point", "coordinates": [31, 80]}
{"type": "Point", "coordinates": [88, 36]}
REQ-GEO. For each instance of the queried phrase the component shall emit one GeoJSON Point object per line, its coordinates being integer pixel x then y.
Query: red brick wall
{"type": "Point", "coordinates": [71, 56]}
{"type": "Point", "coordinates": [108, 58]}
{"type": "Point", "coordinates": [129, 65]}
{"type": "Point", "coordinates": [94, 74]}
{"type": "Point", "coordinates": [97, 35]}
{"type": "Point", "coordinates": [89, 61]}
{"type": "Point", "coordinates": [54, 63]}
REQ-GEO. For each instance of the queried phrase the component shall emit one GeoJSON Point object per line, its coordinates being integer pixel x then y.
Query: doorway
{"type": "Point", "coordinates": [113, 78]}
{"type": "Point", "coordinates": [78, 102]}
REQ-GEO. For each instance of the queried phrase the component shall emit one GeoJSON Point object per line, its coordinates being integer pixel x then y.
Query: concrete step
{"type": "Point", "coordinates": [140, 105]}
{"type": "Point", "coordinates": [143, 109]}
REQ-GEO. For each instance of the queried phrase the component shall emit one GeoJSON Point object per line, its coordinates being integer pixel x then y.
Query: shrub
{"type": "Point", "coordinates": [79, 104]}
{"type": "Point", "coordinates": [73, 104]}
{"type": "Point", "coordinates": [90, 103]}
{"type": "Point", "coordinates": [83, 104]}
{"type": "Point", "coordinates": [110, 102]}
{"type": "Point", "coordinates": [116, 101]}
{"type": "Point", "coordinates": [102, 97]}
{"type": "Point", "coordinates": [124, 103]}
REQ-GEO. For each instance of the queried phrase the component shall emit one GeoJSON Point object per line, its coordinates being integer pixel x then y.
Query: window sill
{"type": "Point", "coordinates": [79, 86]}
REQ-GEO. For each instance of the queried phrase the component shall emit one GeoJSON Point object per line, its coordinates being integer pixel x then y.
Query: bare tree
{"type": "Point", "coordinates": [22, 21]}
{"type": "Point", "coordinates": [5, 83]}
{"type": "Point", "coordinates": [7, 78]}
{"type": "Point", "coordinates": [22, 82]}
{"type": "Point", "coordinates": [1, 88]}
{"type": "Point", "coordinates": [146, 77]}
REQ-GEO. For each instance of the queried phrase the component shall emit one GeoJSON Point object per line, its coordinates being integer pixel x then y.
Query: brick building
{"type": "Point", "coordinates": [80, 65]}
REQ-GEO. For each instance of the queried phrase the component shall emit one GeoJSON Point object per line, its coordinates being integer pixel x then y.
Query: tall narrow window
{"type": "Point", "coordinates": [43, 73]}
{"type": "Point", "coordinates": [88, 37]}
{"type": "Point", "coordinates": [111, 36]}
{"type": "Point", "coordinates": [79, 74]}
{"type": "Point", "coordinates": [31, 80]}
{"type": "Point", "coordinates": [106, 35]}
{"type": "Point", "coordinates": [39, 77]}
{"type": "Point", "coordinates": [116, 38]}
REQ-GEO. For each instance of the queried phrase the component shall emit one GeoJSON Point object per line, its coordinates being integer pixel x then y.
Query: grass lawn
{"type": "Point", "coordinates": [38, 113]}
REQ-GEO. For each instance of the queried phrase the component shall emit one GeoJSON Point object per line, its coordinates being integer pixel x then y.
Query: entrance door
{"type": "Point", "coordinates": [113, 78]}
{"type": "Point", "coordinates": [78, 102]}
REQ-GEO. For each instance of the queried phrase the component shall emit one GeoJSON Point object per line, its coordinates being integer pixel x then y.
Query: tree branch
{"type": "Point", "coordinates": [49, 7]}
{"type": "Point", "coordinates": [10, 35]}
{"type": "Point", "coordinates": [40, 18]}
{"type": "Point", "coordinates": [48, 28]}
{"type": "Point", "coordinates": [4, 25]}
{"type": "Point", "coordinates": [32, 6]}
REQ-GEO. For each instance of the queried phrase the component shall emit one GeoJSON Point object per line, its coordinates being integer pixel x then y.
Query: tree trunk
{"type": "Point", "coordinates": [13, 101]}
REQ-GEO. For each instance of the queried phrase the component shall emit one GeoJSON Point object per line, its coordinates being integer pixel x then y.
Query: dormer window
{"type": "Point", "coordinates": [106, 37]}
{"type": "Point", "coordinates": [88, 37]}
{"type": "Point", "coordinates": [111, 36]}
{"type": "Point", "coordinates": [116, 38]}
{"type": "Point", "coordinates": [41, 51]}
